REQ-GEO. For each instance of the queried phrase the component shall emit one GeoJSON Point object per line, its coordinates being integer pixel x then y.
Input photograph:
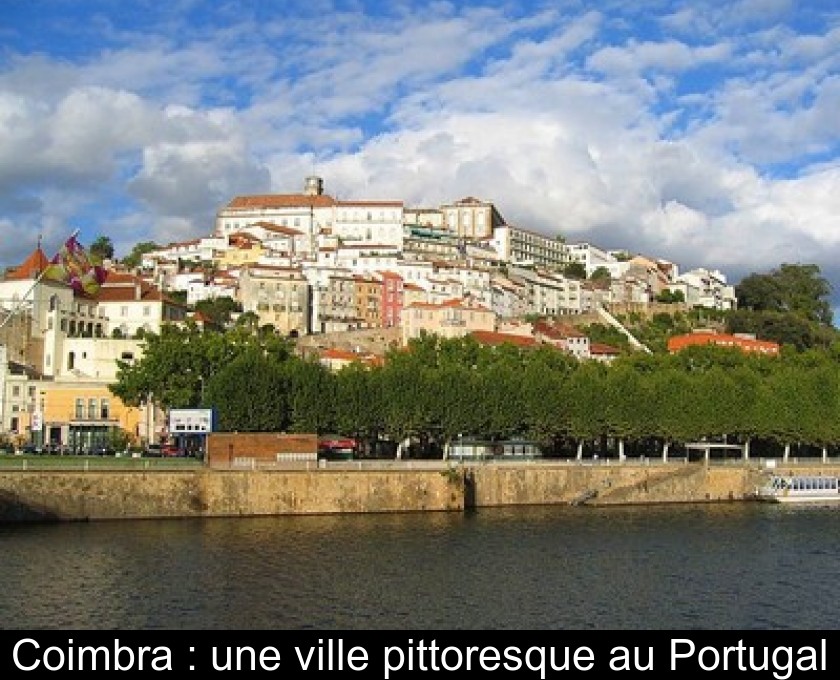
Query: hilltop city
{"type": "Point", "coordinates": [345, 280]}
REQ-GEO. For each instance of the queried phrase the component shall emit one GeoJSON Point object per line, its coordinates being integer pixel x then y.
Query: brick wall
{"type": "Point", "coordinates": [223, 448]}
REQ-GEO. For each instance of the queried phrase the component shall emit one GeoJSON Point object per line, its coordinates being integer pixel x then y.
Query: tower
{"type": "Point", "coordinates": [314, 186]}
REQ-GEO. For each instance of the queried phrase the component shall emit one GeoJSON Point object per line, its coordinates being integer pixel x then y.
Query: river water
{"type": "Point", "coordinates": [723, 567]}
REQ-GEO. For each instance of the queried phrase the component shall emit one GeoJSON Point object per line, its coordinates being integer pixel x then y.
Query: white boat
{"type": "Point", "coordinates": [801, 489]}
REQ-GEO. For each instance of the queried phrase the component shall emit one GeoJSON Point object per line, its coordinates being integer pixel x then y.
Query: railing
{"type": "Point", "coordinates": [72, 463]}
{"type": "Point", "coordinates": [76, 416]}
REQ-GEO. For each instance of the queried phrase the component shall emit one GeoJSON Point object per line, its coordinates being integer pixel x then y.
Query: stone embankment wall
{"type": "Point", "coordinates": [609, 484]}
{"type": "Point", "coordinates": [91, 495]}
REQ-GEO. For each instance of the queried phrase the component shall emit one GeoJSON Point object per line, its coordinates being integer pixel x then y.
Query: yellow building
{"type": "Point", "coordinates": [368, 297]}
{"type": "Point", "coordinates": [82, 416]}
{"type": "Point", "coordinates": [244, 249]}
{"type": "Point", "coordinates": [451, 319]}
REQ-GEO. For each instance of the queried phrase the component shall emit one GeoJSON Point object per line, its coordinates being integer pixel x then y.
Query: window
{"type": "Point", "coordinates": [124, 310]}
{"type": "Point", "coordinates": [147, 310]}
{"type": "Point", "coordinates": [91, 408]}
{"type": "Point", "coordinates": [104, 409]}
{"type": "Point", "coordinates": [71, 361]}
{"type": "Point", "coordinates": [80, 408]}
{"type": "Point", "coordinates": [16, 391]}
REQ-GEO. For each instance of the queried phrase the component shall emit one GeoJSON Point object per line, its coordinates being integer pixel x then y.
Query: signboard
{"type": "Point", "coordinates": [191, 420]}
{"type": "Point", "coordinates": [37, 421]}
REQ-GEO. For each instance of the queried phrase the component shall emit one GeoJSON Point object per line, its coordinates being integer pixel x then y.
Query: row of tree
{"type": "Point", "coordinates": [438, 390]}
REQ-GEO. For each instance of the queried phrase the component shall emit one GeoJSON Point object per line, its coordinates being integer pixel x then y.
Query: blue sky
{"type": "Point", "coordinates": [701, 132]}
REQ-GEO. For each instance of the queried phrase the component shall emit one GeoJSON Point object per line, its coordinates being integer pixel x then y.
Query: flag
{"type": "Point", "coordinates": [72, 265]}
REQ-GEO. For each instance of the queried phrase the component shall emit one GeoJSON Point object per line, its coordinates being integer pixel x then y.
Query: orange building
{"type": "Point", "coordinates": [81, 416]}
{"type": "Point", "coordinates": [747, 343]}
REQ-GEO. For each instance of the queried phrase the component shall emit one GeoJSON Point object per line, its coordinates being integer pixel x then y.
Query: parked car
{"type": "Point", "coordinates": [171, 450]}
{"type": "Point", "coordinates": [153, 451]}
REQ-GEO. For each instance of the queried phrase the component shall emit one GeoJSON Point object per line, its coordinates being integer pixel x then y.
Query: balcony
{"type": "Point", "coordinates": [98, 418]}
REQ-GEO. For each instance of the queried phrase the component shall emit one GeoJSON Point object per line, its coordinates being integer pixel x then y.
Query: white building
{"type": "Point", "coordinates": [132, 305]}
{"type": "Point", "coordinates": [705, 288]}
{"type": "Point", "coordinates": [521, 246]}
{"type": "Point", "coordinates": [549, 294]}
{"type": "Point", "coordinates": [592, 257]}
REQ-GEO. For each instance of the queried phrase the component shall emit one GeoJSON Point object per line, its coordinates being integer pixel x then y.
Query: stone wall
{"type": "Point", "coordinates": [489, 485]}
{"type": "Point", "coordinates": [90, 495]}
{"type": "Point", "coordinates": [79, 495]}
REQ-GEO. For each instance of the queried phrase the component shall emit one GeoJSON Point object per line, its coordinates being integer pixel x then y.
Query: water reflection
{"type": "Point", "coordinates": [732, 566]}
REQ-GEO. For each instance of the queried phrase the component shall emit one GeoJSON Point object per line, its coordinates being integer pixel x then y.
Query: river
{"type": "Point", "coordinates": [726, 566]}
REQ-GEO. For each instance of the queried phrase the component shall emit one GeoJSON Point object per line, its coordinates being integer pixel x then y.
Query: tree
{"type": "Point", "coordinates": [134, 258]}
{"type": "Point", "coordinates": [575, 270]}
{"type": "Point", "coordinates": [102, 249]}
{"type": "Point", "coordinates": [792, 288]}
{"type": "Point", "coordinates": [250, 394]}
{"type": "Point", "coordinates": [668, 296]}
{"type": "Point", "coordinates": [601, 274]}
{"type": "Point", "coordinates": [218, 310]}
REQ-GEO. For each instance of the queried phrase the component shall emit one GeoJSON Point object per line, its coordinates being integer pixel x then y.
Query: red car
{"type": "Point", "coordinates": [170, 450]}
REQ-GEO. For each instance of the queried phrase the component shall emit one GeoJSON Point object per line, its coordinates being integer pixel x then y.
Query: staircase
{"type": "Point", "coordinates": [657, 485]}
{"type": "Point", "coordinates": [615, 323]}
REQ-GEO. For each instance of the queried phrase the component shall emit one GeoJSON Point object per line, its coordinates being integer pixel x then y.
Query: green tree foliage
{"type": "Point", "coordinates": [177, 365]}
{"type": "Point", "coordinates": [792, 288]}
{"type": "Point", "coordinates": [250, 394]}
{"type": "Point", "coordinates": [218, 309]}
{"type": "Point", "coordinates": [601, 274]}
{"type": "Point", "coordinates": [786, 328]}
{"type": "Point", "coordinates": [575, 270]}
{"type": "Point", "coordinates": [437, 390]}
{"type": "Point", "coordinates": [101, 249]}
{"type": "Point", "coordinates": [132, 260]}
{"type": "Point", "coordinates": [670, 296]}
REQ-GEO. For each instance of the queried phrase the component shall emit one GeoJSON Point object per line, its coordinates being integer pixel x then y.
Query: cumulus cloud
{"type": "Point", "coordinates": [705, 134]}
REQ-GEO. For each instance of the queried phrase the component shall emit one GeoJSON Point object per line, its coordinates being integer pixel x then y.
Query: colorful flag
{"type": "Point", "coordinates": [73, 266]}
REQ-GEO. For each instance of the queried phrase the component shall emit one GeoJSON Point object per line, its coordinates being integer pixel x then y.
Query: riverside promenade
{"type": "Point", "coordinates": [100, 493]}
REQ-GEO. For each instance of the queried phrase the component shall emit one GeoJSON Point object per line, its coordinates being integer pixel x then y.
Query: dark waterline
{"type": "Point", "coordinates": [730, 566]}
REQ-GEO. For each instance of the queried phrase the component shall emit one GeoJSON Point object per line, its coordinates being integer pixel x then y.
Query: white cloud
{"type": "Point", "coordinates": [568, 119]}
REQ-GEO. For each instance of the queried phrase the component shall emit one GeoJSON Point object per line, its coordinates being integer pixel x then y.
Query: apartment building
{"type": "Point", "coordinates": [525, 247]}
{"type": "Point", "coordinates": [279, 296]}
{"type": "Point", "coordinates": [450, 319]}
{"type": "Point", "coordinates": [705, 288]}
{"type": "Point", "coordinates": [368, 301]}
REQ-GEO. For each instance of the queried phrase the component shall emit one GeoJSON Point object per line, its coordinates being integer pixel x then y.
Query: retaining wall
{"type": "Point", "coordinates": [90, 495]}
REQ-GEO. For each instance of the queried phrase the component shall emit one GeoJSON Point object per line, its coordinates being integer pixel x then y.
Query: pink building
{"type": "Point", "coordinates": [392, 299]}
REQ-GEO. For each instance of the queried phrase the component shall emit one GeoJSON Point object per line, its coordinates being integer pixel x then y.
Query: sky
{"type": "Point", "coordinates": [700, 132]}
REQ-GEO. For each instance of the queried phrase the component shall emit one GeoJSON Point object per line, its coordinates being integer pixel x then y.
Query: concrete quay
{"type": "Point", "coordinates": [371, 487]}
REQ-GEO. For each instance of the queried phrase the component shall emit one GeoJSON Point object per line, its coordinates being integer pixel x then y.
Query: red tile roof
{"type": "Point", "coordinates": [30, 268]}
{"type": "Point", "coordinates": [493, 338]}
{"type": "Point", "coordinates": [601, 349]}
{"type": "Point", "coordinates": [281, 201]}
{"type": "Point", "coordinates": [278, 228]}
{"type": "Point", "coordinates": [678, 342]}
{"type": "Point", "coordinates": [557, 330]}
